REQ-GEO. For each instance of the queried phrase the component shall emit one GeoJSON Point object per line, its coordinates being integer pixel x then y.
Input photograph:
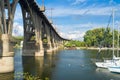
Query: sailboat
{"type": "Point", "coordinates": [114, 61]}
{"type": "Point", "coordinates": [116, 67]}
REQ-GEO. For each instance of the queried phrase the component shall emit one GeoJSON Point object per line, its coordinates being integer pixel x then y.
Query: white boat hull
{"type": "Point", "coordinates": [102, 64]}
{"type": "Point", "coordinates": [114, 69]}
{"type": "Point", "coordinates": [108, 63]}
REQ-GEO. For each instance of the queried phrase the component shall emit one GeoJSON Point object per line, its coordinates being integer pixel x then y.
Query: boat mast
{"type": "Point", "coordinates": [118, 43]}
{"type": "Point", "coordinates": [113, 29]}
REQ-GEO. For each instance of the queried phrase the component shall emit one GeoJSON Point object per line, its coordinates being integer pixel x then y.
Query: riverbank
{"type": "Point", "coordinates": [97, 48]}
{"type": "Point", "coordinates": [92, 48]}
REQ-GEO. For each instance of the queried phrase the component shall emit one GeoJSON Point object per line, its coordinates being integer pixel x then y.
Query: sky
{"type": "Point", "coordinates": [72, 18]}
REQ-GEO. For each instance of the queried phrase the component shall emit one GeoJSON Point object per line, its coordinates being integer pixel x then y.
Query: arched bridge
{"type": "Point", "coordinates": [39, 34]}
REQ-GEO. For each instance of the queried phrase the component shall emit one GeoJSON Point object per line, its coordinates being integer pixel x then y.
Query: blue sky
{"type": "Point", "coordinates": [72, 18]}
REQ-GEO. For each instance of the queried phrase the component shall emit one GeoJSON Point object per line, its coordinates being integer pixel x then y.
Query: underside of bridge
{"type": "Point", "coordinates": [39, 34]}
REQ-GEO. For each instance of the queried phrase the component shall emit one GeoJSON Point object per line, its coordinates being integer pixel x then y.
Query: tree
{"type": "Point", "coordinates": [74, 43]}
{"type": "Point", "coordinates": [100, 36]}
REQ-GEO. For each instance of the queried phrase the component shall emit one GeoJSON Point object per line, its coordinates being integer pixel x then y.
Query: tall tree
{"type": "Point", "coordinates": [100, 36]}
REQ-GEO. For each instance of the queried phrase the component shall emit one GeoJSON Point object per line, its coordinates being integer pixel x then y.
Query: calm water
{"type": "Point", "coordinates": [62, 65]}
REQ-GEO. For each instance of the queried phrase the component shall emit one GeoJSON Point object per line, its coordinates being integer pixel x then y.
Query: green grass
{"type": "Point", "coordinates": [28, 76]}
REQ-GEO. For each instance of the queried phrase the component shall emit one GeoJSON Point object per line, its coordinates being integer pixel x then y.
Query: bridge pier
{"type": "Point", "coordinates": [54, 43]}
{"type": "Point", "coordinates": [7, 60]}
{"type": "Point", "coordinates": [49, 49]}
{"type": "Point", "coordinates": [48, 32]}
{"type": "Point", "coordinates": [40, 51]}
{"type": "Point", "coordinates": [55, 47]}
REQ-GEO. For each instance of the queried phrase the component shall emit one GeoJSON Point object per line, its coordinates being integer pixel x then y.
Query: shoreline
{"type": "Point", "coordinates": [97, 48]}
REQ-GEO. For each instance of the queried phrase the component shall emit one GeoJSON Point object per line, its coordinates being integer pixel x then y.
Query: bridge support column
{"type": "Point", "coordinates": [49, 49]}
{"type": "Point", "coordinates": [40, 51]}
{"type": "Point", "coordinates": [53, 40]}
{"type": "Point", "coordinates": [56, 42]}
{"type": "Point", "coordinates": [7, 60]}
{"type": "Point", "coordinates": [54, 45]}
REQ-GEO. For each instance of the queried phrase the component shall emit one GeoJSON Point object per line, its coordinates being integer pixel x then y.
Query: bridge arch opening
{"type": "Point", "coordinates": [18, 29]}
{"type": "Point", "coordinates": [18, 23]}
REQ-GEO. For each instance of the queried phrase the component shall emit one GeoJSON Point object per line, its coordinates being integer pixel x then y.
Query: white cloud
{"type": "Point", "coordinates": [81, 27]}
{"type": "Point", "coordinates": [76, 31]}
{"type": "Point", "coordinates": [90, 10]}
{"type": "Point", "coordinates": [17, 29]}
{"type": "Point", "coordinates": [77, 35]}
{"type": "Point", "coordinates": [18, 23]}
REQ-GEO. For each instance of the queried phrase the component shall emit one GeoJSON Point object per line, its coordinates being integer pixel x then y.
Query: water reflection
{"type": "Point", "coordinates": [39, 61]}
{"type": "Point", "coordinates": [102, 71]}
{"type": "Point", "coordinates": [18, 73]}
{"type": "Point", "coordinates": [38, 66]}
{"type": "Point", "coordinates": [63, 65]}
{"type": "Point", "coordinates": [8, 76]}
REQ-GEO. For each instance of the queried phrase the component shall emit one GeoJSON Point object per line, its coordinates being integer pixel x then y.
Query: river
{"type": "Point", "coordinates": [61, 65]}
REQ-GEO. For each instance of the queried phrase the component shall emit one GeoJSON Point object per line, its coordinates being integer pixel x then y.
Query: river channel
{"type": "Point", "coordinates": [60, 65]}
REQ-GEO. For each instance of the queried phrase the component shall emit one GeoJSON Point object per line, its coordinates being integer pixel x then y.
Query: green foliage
{"type": "Point", "coordinates": [17, 46]}
{"type": "Point", "coordinates": [17, 39]}
{"type": "Point", "coordinates": [94, 37]}
{"type": "Point", "coordinates": [100, 36]}
{"type": "Point", "coordinates": [74, 43]}
{"type": "Point", "coordinates": [32, 38]}
{"type": "Point", "coordinates": [27, 76]}
{"type": "Point", "coordinates": [45, 40]}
